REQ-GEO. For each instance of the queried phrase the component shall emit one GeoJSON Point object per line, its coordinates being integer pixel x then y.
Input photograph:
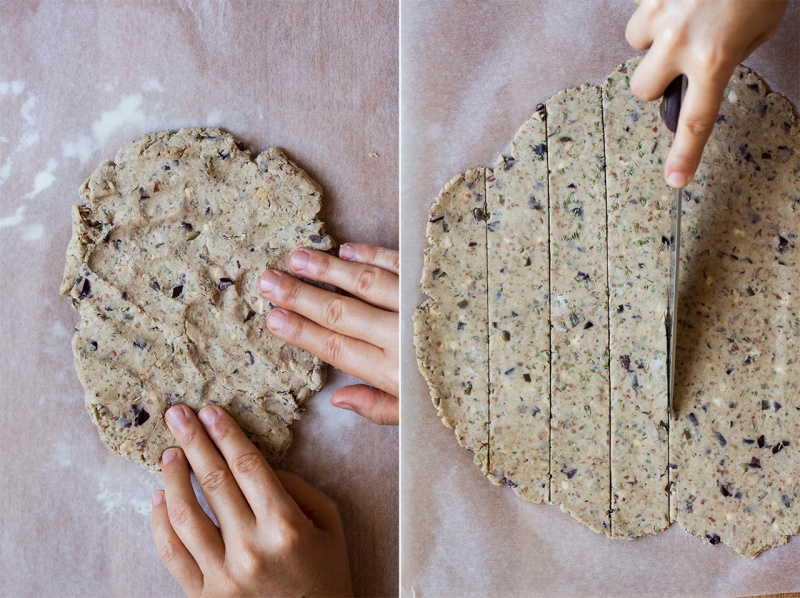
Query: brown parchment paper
{"type": "Point", "coordinates": [472, 73]}
{"type": "Point", "coordinates": [77, 81]}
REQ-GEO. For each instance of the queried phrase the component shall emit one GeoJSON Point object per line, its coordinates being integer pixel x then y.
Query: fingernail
{"type": "Point", "coordinates": [176, 416]}
{"type": "Point", "coordinates": [208, 415]}
{"type": "Point", "coordinates": [158, 498]}
{"type": "Point", "coordinates": [300, 259]}
{"type": "Point", "coordinates": [343, 406]}
{"type": "Point", "coordinates": [169, 456]}
{"type": "Point", "coordinates": [276, 319]}
{"type": "Point", "coordinates": [347, 252]}
{"type": "Point", "coordinates": [269, 281]}
{"type": "Point", "coordinates": [677, 180]}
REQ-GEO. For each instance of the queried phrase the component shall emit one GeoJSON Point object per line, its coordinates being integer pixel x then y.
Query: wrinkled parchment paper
{"type": "Point", "coordinates": [472, 73]}
{"type": "Point", "coordinates": [79, 80]}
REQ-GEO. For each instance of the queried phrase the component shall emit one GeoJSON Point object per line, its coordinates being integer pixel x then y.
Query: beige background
{"type": "Point", "coordinates": [77, 81]}
{"type": "Point", "coordinates": [472, 73]}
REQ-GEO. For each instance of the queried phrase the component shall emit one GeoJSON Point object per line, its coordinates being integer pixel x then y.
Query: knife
{"type": "Point", "coordinates": [670, 111]}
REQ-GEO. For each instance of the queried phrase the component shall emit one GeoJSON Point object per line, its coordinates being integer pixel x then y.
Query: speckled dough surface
{"type": "Point", "coordinates": [579, 427]}
{"type": "Point", "coordinates": [638, 278]}
{"type": "Point", "coordinates": [163, 266]}
{"type": "Point", "coordinates": [736, 428]}
{"type": "Point", "coordinates": [519, 368]}
{"type": "Point", "coordinates": [724, 464]}
{"type": "Point", "coordinates": [451, 327]}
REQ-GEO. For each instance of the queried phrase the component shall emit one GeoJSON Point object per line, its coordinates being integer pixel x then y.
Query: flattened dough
{"type": "Point", "coordinates": [519, 368]}
{"type": "Point", "coordinates": [637, 142]}
{"type": "Point", "coordinates": [451, 327]}
{"type": "Point", "coordinates": [725, 463]}
{"type": "Point", "coordinates": [579, 437]}
{"type": "Point", "coordinates": [736, 431]}
{"type": "Point", "coordinates": [163, 266]}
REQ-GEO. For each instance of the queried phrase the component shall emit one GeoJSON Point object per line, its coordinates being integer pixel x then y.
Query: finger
{"type": "Point", "coordinates": [698, 113]}
{"type": "Point", "coordinates": [262, 490]}
{"type": "Point", "coordinates": [638, 32]}
{"type": "Point", "coordinates": [363, 253]}
{"type": "Point", "coordinates": [376, 405]}
{"type": "Point", "coordinates": [171, 550]}
{"type": "Point", "coordinates": [654, 73]}
{"type": "Point", "coordinates": [344, 315]}
{"type": "Point", "coordinates": [212, 473]}
{"type": "Point", "coordinates": [370, 283]}
{"type": "Point", "coordinates": [197, 532]}
{"type": "Point", "coordinates": [349, 354]}
{"type": "Point", "coordinates": [315, 504]}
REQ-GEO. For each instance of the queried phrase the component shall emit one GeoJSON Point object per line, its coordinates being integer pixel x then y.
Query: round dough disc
{"type": "Point", "coordinates": [163, 267]}
{"type": "Point", "coordinates": [543, 337]}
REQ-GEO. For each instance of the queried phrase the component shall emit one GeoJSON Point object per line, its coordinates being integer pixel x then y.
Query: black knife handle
{"type": "Point", "coordinates": [671, 103]}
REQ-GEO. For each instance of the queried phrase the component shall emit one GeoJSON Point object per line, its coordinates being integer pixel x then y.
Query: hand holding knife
{"type": "Point", "coordinates": [670, 112]}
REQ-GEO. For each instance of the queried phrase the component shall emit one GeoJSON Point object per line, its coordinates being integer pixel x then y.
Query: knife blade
{"type": "Point", "coordinates": [672, 302]}
{"type": "Point", "coordinates": [670, 112]}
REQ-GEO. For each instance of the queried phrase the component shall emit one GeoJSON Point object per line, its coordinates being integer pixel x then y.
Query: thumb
{"type": "Point", "coordinates": [374, 404]}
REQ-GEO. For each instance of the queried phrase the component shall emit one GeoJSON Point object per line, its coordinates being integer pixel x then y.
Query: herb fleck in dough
{"type": "Point", "coordinates": [724, 464]}
{"type": "Point", "coordinates": [163, 266]}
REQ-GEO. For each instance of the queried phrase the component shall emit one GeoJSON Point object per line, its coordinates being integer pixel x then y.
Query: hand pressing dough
{"type": "Point", "coordinates": [724, 464]}
{"type": "Point", "coordinates": [163, 266]}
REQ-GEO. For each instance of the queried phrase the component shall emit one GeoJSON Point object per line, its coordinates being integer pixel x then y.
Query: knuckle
{"type": "Point", "coordinates": [332, 312]}
{"type": "Point", "coordinates": [332, 348]}
{"type": "Point", "coordinates": [294, 329]}
{"type": "Point", "coordinates": [251, 561]}
{"type": "Point", "coordinates": [322, 263]}
{"type": "Point", "coordinates": [214, 479]}
{"type": "Point", "coordinates": [289, 290]}
{"type": "Point", "coordinates": [394, 261]}
{"type": "Point", "coordinates": [168, 551]}
{"type": "Point", "coordinates": [286, 537]}
{"type": "Point", "coordinates": [221, 428]}
{"type": "Point", "coordinates": [187, 436]}
{"type": "Point", "coordinates": [698, 127]}
{"type": "Point", "coordinates": [366, 280]}
{"type": "Point", "coordinates": [248, 463]}
{"type": "Point", "coordinates": [672, 36]}
{"type": "Point", "coordinates": [712, 61]}
{"type": "Point", "coordinates": [179, 512]}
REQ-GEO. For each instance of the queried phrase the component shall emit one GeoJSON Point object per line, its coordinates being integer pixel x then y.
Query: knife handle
{"type": "Point", "coordinates": [671, 103]}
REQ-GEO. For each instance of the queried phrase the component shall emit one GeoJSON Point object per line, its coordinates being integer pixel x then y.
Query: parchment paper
{"type": "Point", "coordinates": [79, 80]}
{"type": "Point", "coordinates": [472, 73]}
